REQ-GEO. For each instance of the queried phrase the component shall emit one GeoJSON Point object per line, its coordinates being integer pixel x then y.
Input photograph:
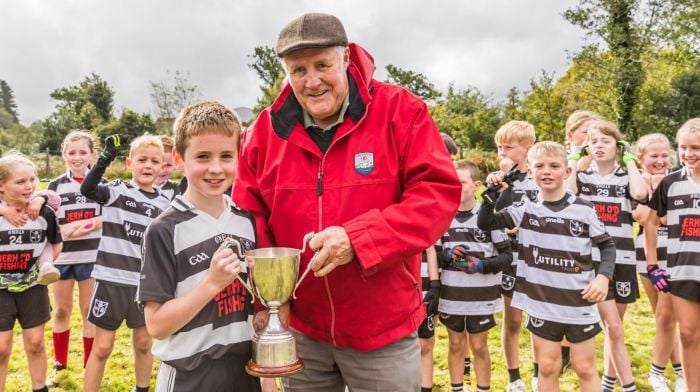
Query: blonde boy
{"type": "Point", "coordinates": [194, 306]}
{"type": "Point", "coordinates": [167, 187]}
{"type": "Point", "coordinates": [129, 207]}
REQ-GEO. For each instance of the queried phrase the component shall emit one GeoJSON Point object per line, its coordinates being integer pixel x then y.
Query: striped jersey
{"type": "Point", "coordinates": [75, 206]}
{"type": "Point", "coordinates": [20, 247]}
{"type": "Point", "coordinates": [678, 198]}
{"type": "Point", "coordinates": [178, 247]}
{"type": "Point", "coordinates": [126, 213]}
{"type": "Point", "coordinates": [169, 189]}
{"type": "Point", "coordinates": [554, 258]}
{"type": "Point", "coordinates": [661, 248]}
{"type": "Point", "coordinates": [471, 294]}
{"type": "Point", "coordinates": [612, 201]}
{"type": "Point", "coordinates": [523, 188]}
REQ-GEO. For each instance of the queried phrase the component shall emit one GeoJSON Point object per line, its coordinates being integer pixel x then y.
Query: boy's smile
{"type": "Point", "coordinates": [145, 163]}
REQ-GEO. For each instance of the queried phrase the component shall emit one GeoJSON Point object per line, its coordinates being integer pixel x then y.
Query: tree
{"type": "Point", "coordinates": [7, 100]}
{"type": "Point", "coordinates": [269, 69]}
{"type": "Point", "coordinates": [173, 94]}
{"type": "Point", "coordinates": [415, 82]}
{"type": "Point", "coordinates": [544, 108]}
{"type": "Point", "coordinates": [130, 123]}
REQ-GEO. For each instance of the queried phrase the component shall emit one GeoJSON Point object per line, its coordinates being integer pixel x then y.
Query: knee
{"type": "Point", "coordinates": [457, 345]}
{"type": "Point", "coordinates": [665, 319]}
{"type": "Point", "coordinates": [62, 313]}
{"type": "Point", "coordinates": [614, 331]}
{"type": "Point", "coordinates": [585, 369]}
{"type": "Point", "coordinates": [690, 336]}
{"type": "Point", "coordinates": [480, 348]}
{"type": "Point", "coordinates": [5, 352]}
{"type": "Point", "coordinates": [426, 346]}
{"type": "Point", "coordinates": [549, 367]}
{"type": "Point", "coordinates": [142, 345]}
{"type": "Point", "coordinates": [34, 347]}
{"type": "Point", "coordinates": [101, 350]}
{"type": "Point", "coordinates": [512, 327]}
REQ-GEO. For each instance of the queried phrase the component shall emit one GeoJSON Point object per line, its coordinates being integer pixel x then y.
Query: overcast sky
{"type": "Point", "coordinates": [490, 44]}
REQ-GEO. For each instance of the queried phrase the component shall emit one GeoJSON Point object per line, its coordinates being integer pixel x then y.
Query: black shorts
{"type": "Point", "coordinates": [426, 329]}
{"type": "Point", "coordinates": [508, 281]}
{"type": "Point", "coordinates": [111, 305]}
{"type": "Point", "coordinates": [471, 324]}
{"type": "Point", "coordinates": [688, 289]}
{"type": "Point", "coordinates": [31, 308]}
{"type": "Point", "coordinates": [555, 332]}
{"type": "Point", "coordinates": [623, 287]}
{"type": "Point", "coordinates": [79, 272]}
{"type": "Point", "coordinates": [222, 374]}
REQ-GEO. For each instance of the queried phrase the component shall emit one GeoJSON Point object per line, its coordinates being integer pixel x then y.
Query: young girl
{"type": "Point", "coordinates": [21, 298]}
{"type": "Point", "coordinates": [81, 226]}
{"type": "Point", "coordinates": [678, 199]}
{"type": "Point", "coordinates": [654, 152]}
{"type": "Point", "coordinates": [611, 190]}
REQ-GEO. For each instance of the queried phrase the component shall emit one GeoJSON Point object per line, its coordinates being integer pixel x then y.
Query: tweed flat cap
{"type": "Point", "coordinates": [312, 30]}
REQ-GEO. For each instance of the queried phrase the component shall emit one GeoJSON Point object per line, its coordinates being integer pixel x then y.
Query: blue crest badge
{"type": "Point", "coordinates": [364, 162]}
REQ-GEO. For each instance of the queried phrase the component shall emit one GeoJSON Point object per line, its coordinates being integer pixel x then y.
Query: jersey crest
{"type": "Point", "coordinates": [364, 162]}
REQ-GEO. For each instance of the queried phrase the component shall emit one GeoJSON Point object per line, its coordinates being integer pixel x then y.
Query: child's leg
{"type": "Point", "coordinates": [5, 353]}
{"type": "Point", "coordinates": [101, 350]}
{"type": "Point", "coordinates": [47, 272]}
{"type": "Point", "coordinates": [482, 360]}
{"type": "Point", "coordinates": [143, 359]}
{"type": "Point", "coordinates": [36, 355]}
{"type": "Point", "coordinates": [617, 361]}
{"type": "Point", "coordinates": [549, 360]}
{"type": "Point", "coordinates": [512, 319]}
{"type": "Point", "coordinates": [583, 363]}
{"type": "Point", "coordinates": [455, 355]}
{"type": "Point", "coordinates": [666, 342]}
{"type": "Point", "coordinates": [426, 361]}
{"type": "Point", "coordinates": [63, 306]}
{"type": "Point", "coordinates": [85, 288]}
{"type": "Point", "coordinates": [688, 314]}
{"type": "Point", "coordinates": [467, 354]}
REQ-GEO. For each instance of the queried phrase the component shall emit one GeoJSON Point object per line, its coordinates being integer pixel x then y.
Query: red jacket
{"type": "Point", "coordinates": [386, 178]}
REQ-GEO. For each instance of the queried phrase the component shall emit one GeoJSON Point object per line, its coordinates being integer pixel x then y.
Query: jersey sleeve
{"type": "Point", "coordinates": [158, 279]}
{"type": "Point", "coordinates": [53, 230]}
{"type": "Point", "coordinates": [499, 237]}
{"type": "Point", "coordinates": [514, 215]}
{"type": "Point", "coordinates": [596, 228]}
{"type": "Point", "coordinates": [659, 199]}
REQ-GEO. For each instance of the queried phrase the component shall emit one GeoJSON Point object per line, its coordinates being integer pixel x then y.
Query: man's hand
{"type": "Point", "coordinates": [627, 153]}
{"type": "Point", "coordinates": [114, 145]}
{"type": "Point", "coordinates": [333, 248]}
{"type": "Point", "coordinates": [15, 216]}
{"type": "Point", "coordinates": [432, 297]}
{"type": "Point", "coordinates": [659, 278]}
{"type": "Point", "coordinates": [597, 290]}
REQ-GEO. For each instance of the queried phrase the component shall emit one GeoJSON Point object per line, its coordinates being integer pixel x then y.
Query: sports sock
{"type": "Point", "coordinates": [656, 370]}
{"type": "Point", "coordinates": [629, 387]}
{"type": "Point", "coordinates": [467, 365]}
{"type": "Point", "coordinates": [426, 389]}
{"type": "Point", "coordinates": [141, 389]}
{"type": "Point", "coordinates": [44, 389]}
{"type": "Point", "coordinates": [513, 375]}
{"type": "Point", "coordinates": [87, 349]}
{"type": "Point", "coordinates": [479, 388]}
{"type": "Point", "coordinates": [535, 370]}
{"type": "Point", "coordinates": [457, 387]}
{"type": "Point", "coordinates": [609, 383]}
{"type": "Point", "coordinates": [60, 346]}
{"type": "Point", "coordinates": [678, 369]}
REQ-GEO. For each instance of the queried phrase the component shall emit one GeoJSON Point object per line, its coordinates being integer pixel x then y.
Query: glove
{"type": "Point", "coordinates": [490, 194]}
{"type": "Point", "coordinates": [432, 297]}
{"type": "Point", "coordinates": [577, 153]}
{"type": "Point", "coordinates": [455, 253]}
{"type": "Point", "coordinates": [659, 278]}
{"type": "Point", "coordinates": [469, 265]}
{"type": "Point", "coordinates": [114, 145]}
{"type": "Point", "coordinates": [627, 153]}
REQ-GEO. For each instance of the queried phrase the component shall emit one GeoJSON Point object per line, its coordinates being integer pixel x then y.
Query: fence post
{"type": "Point", "coordinates": [48, 163]}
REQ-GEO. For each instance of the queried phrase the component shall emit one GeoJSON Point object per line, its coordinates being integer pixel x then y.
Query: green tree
{"type": "Point", "coordinates": [543, 107]}
{"type": "Point", "coordinates": [415, 82]}
{"type": "Point", "coordinates": [7, 100]}
{"type": "Point", "coordinates": [130, 123]}
{"type": "Point", "coordinates": [171, 95]}
{"type": "Point", "coordinates": [269, 69]}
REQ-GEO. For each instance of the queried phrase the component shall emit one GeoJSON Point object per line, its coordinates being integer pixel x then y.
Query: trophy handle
{"type": "Point", "coordinates": [306, 239]}
{"type": "Point", "coordinates": [231, 243]}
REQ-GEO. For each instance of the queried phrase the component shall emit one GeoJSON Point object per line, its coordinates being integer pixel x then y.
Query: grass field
{"type": "Point", "coordinates": [639, 327]}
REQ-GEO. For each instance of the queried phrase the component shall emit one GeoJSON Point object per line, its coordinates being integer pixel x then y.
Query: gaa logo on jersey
{"type": "Point", "coordinates": [35, 236]}
{"type": "Point", "coordinates": [507, 282]}
{"type": "Point", "coordinates": [620, 191]}
{"type": "Point", "coordinates": [534, 321]}
{"type": "Point", "coordinates": [479, 235]}
{"type": "Point", "coordinates": [364, 162]}
{"type": "Point", "coordinates": [624, 289]}
{"type": "Point", "coordinates": [99, 308]}
{"type": "Point", "coordinates": [575, 228]}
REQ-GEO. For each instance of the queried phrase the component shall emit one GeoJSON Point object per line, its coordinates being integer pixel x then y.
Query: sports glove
{"type": "Point", "coordinates": [455, 253]}
{"type": "Point", "coordinates": [469, 265]}
{"type": "Point", "coordinates": [659, 278]}
{"type": "Point", "coordinates": [577, 153]}
{"type": "Point", "coordinates": [114, 145]}
{"type": "Point", "coordinates": [627, 153]}
{"type": "Point", "coordinates": [432, 297]}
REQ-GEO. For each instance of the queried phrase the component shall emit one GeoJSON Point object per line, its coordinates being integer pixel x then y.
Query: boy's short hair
{"type": "Point", "coordinates": [521, 132]}
{"type": "Point", "coordinates": [168, 143]}
{"type": "Point", "coordinates": [202, 118]}
{"type": "Point", "coordinates": [144, 141]}
{"type": "Point", "coordinates": [449, 143]}
{"type": "Point", "coordinates": [692, 125]}
{"type": "Point", "coordinates": [577, 118]}
{"type": "Point", "coordinates": [547, 148]}
{"type": "Point", "coordinates": [466, 164]}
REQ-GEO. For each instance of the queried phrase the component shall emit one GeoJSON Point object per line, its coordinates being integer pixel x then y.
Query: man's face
{"type": "Point", "coordinates": [319, 80]}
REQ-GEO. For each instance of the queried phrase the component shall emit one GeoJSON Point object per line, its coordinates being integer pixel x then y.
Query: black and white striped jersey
{"type": "Point", "coordinates": [523, 188]}
{"type": "Point", "coordinates": [554, 261]}
{"type": "Point", "coordinates": [178, 248]}
{"type": "Point", "coordinates": [612, 201]}
{"type": "Point", "coordinates": [661, 248]}
{"type": "Point", "coordinates": [471, 294]}
{"type": "Point", "coordinates": [169, 189]}
{"type": "Point", "coordinates": [21, 246]}
{"type": "Point", "coordinates": [678, 198]}
{"type": "Point", "coordinates": [126, 213]}
{"type": "Point", "coordinates": [75, 206]}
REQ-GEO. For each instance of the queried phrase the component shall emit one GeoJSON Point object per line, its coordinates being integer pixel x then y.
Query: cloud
{"type": "Point", "coordinates": [492, 45]}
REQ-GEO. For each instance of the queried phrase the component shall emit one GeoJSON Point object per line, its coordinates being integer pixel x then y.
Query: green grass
{"type": "Point", "coordinates": [119, 374]}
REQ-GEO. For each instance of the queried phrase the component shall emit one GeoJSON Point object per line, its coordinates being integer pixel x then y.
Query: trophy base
{"type": "Point", "coordinates": [278, 371]}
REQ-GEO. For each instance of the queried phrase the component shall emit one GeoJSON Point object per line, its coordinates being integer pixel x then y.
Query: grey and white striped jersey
{"type": "Point", "coordinates": [169, 189]}
{"type": "Point", "coordinates": [178, 248]}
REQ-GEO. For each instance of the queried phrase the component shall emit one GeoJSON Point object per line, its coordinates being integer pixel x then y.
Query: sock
{"type": "Point", "coordinates": [535, 370]}
{"type": "Point", "coordinates": [656, 370]}
{"type": "Point", "coordinates": [678, 369]}
{"type": "Point", "coordinates": [467, 366]}
{"type": "Point", "coordinates": [609, 383]}
{"type": "Point", "coordinates": [60, 346]}
{"type": "Point", "coordinates": [426, 389]}
{"type": "Point", "coordinates": [479, 388]}
{"type": "Point", "coordinates": [457, 388]}
{"type": "Point", "coordinates": [629, 387]}
{"type": "Point", "coordinates": [87, 349]}
{"type": "Point", "coordinates": [513, 375]}
{"type": "Point", "coordinates": [44, 389]}
{"type": "Point", "coordinates": [141, 389]}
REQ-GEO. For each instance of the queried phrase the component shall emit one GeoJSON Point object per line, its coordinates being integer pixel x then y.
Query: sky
{"type": "Point", "coordinates": [489, 44]}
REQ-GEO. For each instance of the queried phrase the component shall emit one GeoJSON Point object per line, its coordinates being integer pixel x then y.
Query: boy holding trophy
{"type": "Point", "coordinates": [195, 303]}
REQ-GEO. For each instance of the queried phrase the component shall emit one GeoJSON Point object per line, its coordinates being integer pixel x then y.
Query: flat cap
{"type": "Point", "coordinates": [312, 30]}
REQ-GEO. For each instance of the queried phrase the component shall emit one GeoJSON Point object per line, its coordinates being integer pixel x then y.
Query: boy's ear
{"type": "Point", "coordinates": [178, 161]}
{"type": "Point", "coordinates": [128, 163]}
{"type": "Point", "coordinates": [477, 184]}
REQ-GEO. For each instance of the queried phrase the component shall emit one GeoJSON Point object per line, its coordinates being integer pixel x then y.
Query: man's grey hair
{"type": "Point", "coordinates": [339, 49]}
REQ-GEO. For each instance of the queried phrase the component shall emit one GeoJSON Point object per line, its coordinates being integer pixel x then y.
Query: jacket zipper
{"type": "Point", "coordinates": [319, 193]}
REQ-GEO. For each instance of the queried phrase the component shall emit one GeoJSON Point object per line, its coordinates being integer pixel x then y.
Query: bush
{"type": "Point", "coordinates": [486, 160]}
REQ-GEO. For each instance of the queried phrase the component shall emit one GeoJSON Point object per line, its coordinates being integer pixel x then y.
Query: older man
{"type": "Point", "coordinates": [361, 163]}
